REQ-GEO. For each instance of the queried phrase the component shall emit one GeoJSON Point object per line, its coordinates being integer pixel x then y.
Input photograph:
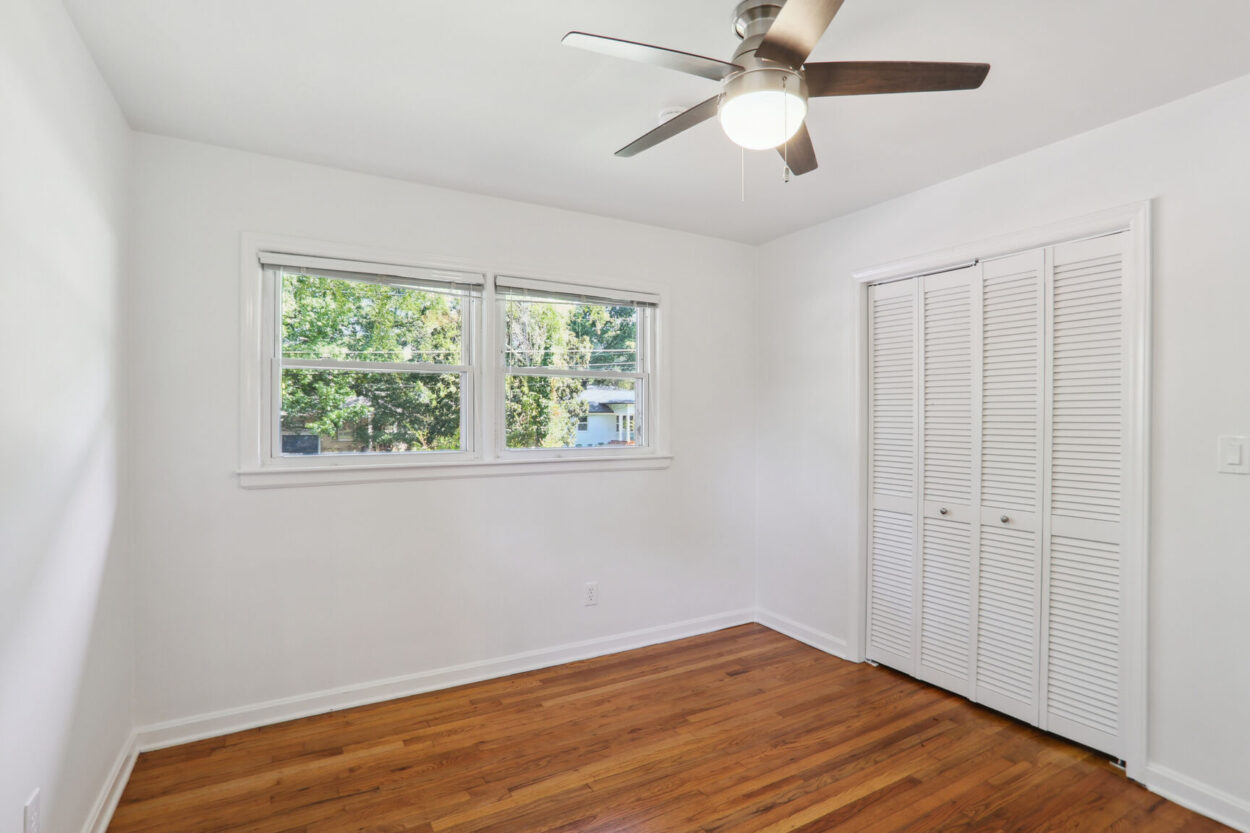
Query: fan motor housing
{"type": "Point", "coordinates": [753, 17]}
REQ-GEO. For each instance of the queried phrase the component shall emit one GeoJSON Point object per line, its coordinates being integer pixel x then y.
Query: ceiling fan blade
{"type": "Point", "coordinates": [679, 123]}
{"type": "Point", "coordinates": [799, 153]}
{"type": "Point", "coordinates": [873, 77]}
{"type": "Point", "coordinates": [799, 25]}
{"type": "Point", "coordinates": [686, 62]}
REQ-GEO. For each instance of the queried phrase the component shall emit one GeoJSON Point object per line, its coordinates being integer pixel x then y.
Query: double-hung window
{"type": "Point", "coordinates": [369, 359]}
{"type": "Point", "coordinates": [356, 370]}
{"type": "Point", "coordinates": [577, 366]}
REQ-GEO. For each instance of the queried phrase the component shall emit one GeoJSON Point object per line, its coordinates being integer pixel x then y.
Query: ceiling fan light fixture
{"type": "Point", "coordinates": [761, 109]}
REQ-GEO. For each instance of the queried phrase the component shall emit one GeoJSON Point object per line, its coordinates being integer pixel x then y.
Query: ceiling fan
{"type": "Point", "coordinates": [765, 87]}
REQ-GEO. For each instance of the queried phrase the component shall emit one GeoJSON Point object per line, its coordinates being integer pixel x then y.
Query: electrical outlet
{"type": "Point", "coordinates": [592, 593]}
{"type": "Point", "coordinates": [1234, 455]}
{"type": "Point", "coordinates": [30, 814]}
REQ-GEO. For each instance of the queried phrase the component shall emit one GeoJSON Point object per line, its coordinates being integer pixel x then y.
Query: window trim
{"type": "Point", "coordinates": [486, 454]}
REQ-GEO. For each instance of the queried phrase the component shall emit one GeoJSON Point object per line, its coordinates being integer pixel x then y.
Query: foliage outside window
{"type": "Point", "coordinates": [370, 365]}
{"type": "Point", "coordinates": [576, 370]}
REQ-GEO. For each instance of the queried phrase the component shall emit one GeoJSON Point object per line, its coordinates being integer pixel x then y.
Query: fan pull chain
{"type": "Point", "coordinates": [785, 116]}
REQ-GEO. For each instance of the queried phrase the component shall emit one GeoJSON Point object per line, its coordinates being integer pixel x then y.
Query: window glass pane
{"type": "Point", "coordinates": [549, 412]}
{"type": "Point", "coordinates": [348, 411]}
{"type": "Point", "coordinates": [570, 335]}
{"type": "Point", "coordinates": [337, 318]}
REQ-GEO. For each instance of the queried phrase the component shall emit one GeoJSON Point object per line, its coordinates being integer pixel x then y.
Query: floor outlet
{"type": "Point", "coordinates": [30, 814]}
{"type": "Point", "coordinates": [592, 593]}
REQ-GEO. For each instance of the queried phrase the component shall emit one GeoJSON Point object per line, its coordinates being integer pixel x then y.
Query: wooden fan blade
{"type": "Point", "coordinates": [799, 25]}
{"type": "Point", "coordinates": [678, 124]}
{"type": "Point", "coordinates": [686, 62]}
{"type": "Point", "coordinates": [799, 153]}
{"type": "Point", "coordinates": [873, 77]}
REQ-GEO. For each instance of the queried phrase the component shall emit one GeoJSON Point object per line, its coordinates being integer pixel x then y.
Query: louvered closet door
{"type": "Point", "coordinates": [1082, 633]}
{"type": "Point", "coordinates": [1012, 444]}
{"type": "Point", "coordinates": [948, 463]}
{"type": "Point", "coordinates": [892, 386]}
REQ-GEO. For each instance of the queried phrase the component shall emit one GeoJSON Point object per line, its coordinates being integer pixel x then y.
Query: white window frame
{"type": "Point", "coordinates": [471, 285]}
{"type": "Point", "coordinates": [484, 452]}
{"type": "Point", "coordinates": [643, 377]}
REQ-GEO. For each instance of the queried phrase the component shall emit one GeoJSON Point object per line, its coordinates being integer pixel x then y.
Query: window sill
{"type": "Point", "coordinates": [278, 478]}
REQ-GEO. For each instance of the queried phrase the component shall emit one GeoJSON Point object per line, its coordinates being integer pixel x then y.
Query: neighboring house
{"type": "Point", "coordinates": [611, 418]}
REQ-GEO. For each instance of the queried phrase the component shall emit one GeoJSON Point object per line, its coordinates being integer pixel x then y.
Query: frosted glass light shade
{"type": "Point", "coordinates": [762, 109]}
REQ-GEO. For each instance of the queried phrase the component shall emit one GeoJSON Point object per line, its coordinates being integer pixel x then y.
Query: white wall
{"type": "Point", "coordinates": [66, 662]}
{"type": "Point", "coordinates": [247, 596]}
{"type": "Point", "coordinates": [1192, 156]}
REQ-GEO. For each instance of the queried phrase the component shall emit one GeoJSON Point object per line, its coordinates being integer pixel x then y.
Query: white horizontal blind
{"type": "Point", "coordinates": [432, 278]}
{"type": "Point", "coordinates": [533, 289]}
{"type": "Point", "coordinates": [1084, 578]}
{"type": "Point", "coordinates": [892, 386]}
{"type": "Point", "coordinates": [1009, 591]}
{"type": "Point", "coordinates": [949, 391]}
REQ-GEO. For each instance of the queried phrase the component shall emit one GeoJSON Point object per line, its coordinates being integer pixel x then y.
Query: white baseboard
{"type": "Point", "coordinates": [111, 793]}
{"type": "Point", "coordinates": [198, 727]}
{"type": "Point", "coordinates": [1199, 797]}
{"type": "Point", "coordinates": [826, 642]}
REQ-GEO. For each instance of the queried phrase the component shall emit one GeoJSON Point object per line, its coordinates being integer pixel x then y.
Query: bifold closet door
{"type": "Point", "coordinates": [1010, 516]}
{"type": "Point", "coordinates": [948, 529]}
{"type": "Point", "coordinates": [892, 389]}
{"type": "Point", "coordinates": [1000, 429]}
{"type": "Point", "coordinates": [1083, 647]}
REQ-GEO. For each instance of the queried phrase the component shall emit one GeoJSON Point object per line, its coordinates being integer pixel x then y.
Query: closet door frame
{"type": "Point", "coordinates": [1135, 220]}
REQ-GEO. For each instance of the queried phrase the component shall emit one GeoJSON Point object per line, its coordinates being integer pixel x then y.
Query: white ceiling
{"type": "Point", "coordinates": [479, 95]}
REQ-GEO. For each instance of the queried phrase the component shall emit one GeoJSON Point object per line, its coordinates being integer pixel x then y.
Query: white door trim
{"type": "Point", "coordinates": [1135, 219]}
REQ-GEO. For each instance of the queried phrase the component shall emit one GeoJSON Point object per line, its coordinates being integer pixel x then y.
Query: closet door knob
{"type": "Point", "coordinates": [1004, 519]}
{"type": "Point", "coordinates": [943, 511]}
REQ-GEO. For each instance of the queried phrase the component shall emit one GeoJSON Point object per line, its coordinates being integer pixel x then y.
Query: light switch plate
{"type": "Point", "coordinates": [1234, 455]}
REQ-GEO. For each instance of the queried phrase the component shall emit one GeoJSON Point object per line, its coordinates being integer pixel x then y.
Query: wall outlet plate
{"type": "Point", "coordinates": [30, 814]}
{"type": "Point", "coordinates": [1234, 455]}
{"type": "Point", "coordinates": [591, 596]}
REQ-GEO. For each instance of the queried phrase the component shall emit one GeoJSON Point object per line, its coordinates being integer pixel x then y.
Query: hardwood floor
{"type": "Point", "coordinates": [739, 730]}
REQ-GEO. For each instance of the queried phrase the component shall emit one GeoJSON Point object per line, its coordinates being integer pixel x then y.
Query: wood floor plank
{"type": "Point", "coordinates": [738, 731]}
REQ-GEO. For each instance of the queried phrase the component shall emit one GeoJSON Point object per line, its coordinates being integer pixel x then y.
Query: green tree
{"type": "Point", "coordinates": [327, 318]}
{"type": "Point", "coordinates": [543, 411]}
{"type": "Point", "coordinates": [540, 411]}
{"type": "Point", "coordinates": [350, 320]}
{"type": "Point", "coordinates": [607, 336]}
